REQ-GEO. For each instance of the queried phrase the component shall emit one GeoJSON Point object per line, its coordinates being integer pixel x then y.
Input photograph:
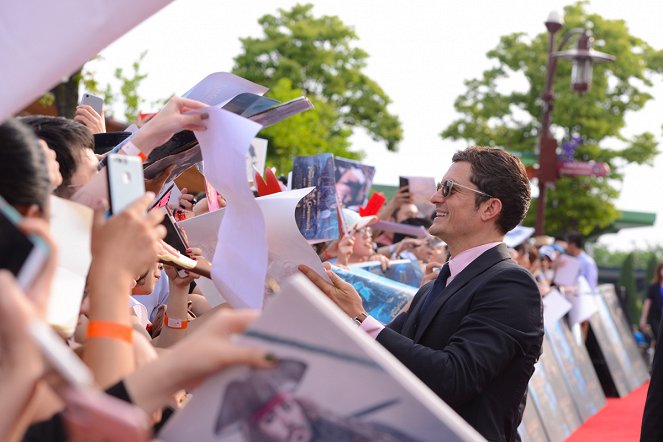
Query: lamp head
{"type": "Point", "coordinates": [554, 22]}
{"type": "Point", "coordinates": [583, 58]}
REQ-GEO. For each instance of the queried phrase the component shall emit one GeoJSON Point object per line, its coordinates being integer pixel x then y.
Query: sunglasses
{"type": "Point", "coordinates": [447, 187]}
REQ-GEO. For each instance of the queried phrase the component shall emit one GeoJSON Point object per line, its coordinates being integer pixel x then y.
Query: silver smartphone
{"type": "Point", "coordinates": [96, 103]}
{"type": "Point", "coordinates": [125, 181]}
{"type": "Point", "coordinates": [60, 357]}
{"type": "Point", "coordinates": [21, 254]}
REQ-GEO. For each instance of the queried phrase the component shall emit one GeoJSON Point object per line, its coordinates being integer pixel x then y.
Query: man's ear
{"type": "Point", "coordinates": [491, 209]}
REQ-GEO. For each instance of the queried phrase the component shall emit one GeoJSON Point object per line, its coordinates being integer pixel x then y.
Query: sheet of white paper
{"type": "Point", "coordinates": [582, 303]}
{"type": "Point", "coordinates": [43, 42]}
{"type": "Point", "coordinates": [421, 188]}
{"type": "Point", "coordinates": [567, 271]}
{"type": "Point", "coordinates": [517, 235]}
{"type": "Point", "coordinates": [555, 306]}
{"type": "Point", "coordinates": [405, 229]}
{"type": "Point", "coordinates": [175, 194]}
{"type": "Point", "coordinates": [210, 292]}
{"type": "Point", "coordinates": [323, 360]}
{"type": "Point", "coordinates": [287, 247]}
{"type": "Point", "coordinates": [202, 231]}
{"type": "Point", "coordinates": [93, 191]}
{"type": "Point", "coordinates": [71, 227]}
{"type": "Point", "coordinates": [240, 266]}
{"type": "Point", "coordinates": [220, 87]}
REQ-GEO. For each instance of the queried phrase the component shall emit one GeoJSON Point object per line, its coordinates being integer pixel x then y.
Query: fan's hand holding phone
{"type": "Point", "coordinates": [96, 103]}
{"type": "Point", "coordinates": [125, 181]}
{"type": "Point", "coordinates": [23, 255]}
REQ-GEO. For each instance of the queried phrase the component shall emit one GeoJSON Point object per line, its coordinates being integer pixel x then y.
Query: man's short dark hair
{"type": "Point", "coordinates": [576, 238]}
{"type": "Point", "coordinates": [66, 137]}
{"type": "Point", "coordinates": [502, 175]}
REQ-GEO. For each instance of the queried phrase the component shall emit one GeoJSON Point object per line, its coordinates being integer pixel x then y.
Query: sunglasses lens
{"type": "Point", "coordinates": [446, 188]}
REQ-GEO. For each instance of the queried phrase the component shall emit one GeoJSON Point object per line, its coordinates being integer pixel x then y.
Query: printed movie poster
{"type": "Point", "coordinates": [331, 382]}
{"type": "Point", "coordinates": [353, 182]}
{"type": "Point", "coordinates": [316, 214]}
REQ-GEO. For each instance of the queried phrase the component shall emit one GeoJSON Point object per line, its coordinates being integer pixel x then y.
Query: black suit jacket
{"type": "Point", "coordinates": [477, 344]}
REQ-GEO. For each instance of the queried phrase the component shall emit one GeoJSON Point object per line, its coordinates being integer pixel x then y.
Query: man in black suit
{"type": "Point", "coordinates": [474, 333]}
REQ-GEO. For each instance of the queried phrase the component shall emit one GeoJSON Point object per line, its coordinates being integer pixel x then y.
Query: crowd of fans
{"type": "Point", "coordinates": [145, 331]}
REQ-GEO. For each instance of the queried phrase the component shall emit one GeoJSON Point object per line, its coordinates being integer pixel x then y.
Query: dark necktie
{"type": "Point", "coordinates": [438, 286]}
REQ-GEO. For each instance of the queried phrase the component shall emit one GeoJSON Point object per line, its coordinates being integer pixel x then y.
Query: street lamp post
{"type": "Point", "coordinates": [581, 78]}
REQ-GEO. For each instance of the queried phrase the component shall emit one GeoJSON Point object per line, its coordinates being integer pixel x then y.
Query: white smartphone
{"type": "Point", "coordinates": [125, 181]}
{"type": "Point", "coordinates": [21, 254]}
{"type": "Point", "coordinates": [90, 414]}
{"type": "Point", "coordinates": [60, 357]}
{"type": "Point", "coordinates": [96, 103]}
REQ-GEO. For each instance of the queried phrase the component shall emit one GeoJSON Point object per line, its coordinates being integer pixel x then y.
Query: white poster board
{"type": "Point", "coordinates": [330, 374]}
{"type": "Point", "coordinates": [43, 43]}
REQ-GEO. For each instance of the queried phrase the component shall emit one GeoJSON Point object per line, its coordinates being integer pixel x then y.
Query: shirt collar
{"type": "Point", "coordinates": [458, 263]}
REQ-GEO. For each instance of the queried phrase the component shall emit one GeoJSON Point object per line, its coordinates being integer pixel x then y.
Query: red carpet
{"type": "Point", "coordinates": [619, 420]}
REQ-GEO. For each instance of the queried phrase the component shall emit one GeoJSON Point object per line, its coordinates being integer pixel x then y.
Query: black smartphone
{"type": "Point", "coordinates": [174, 237]}
{"type": "Point", "coordinates": [125, 181]}
{"type": "Point", "coordinates": [403, 182]}
{"type": "Point", "coordinates": [103, 142]}
{"type": "Point", "coordinates": [23, 255]}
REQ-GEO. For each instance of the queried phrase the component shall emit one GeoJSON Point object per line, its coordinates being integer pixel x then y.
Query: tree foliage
{"type": "Point", "coordinates": [627, 281]}
{"type": "Point", "coordinates": [316, 56]}
{"type": "Point", "coordinates": [642, 258]}
{"type": "Point", "coordinates": [127, 96]}
{"type": "Point", "coordinates": [490, 116]}
{"type": "Point", "coordinates": [65, 96]}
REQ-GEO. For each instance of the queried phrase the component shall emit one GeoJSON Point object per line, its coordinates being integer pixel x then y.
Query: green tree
{"type": "Point", "coordinates": [318, 57]}
{"type": "Point", "coordinates": [490, 116]}
{"type": "Point", "coordinates": [643, 258]}
{"type": "Point", "coordinates": [65, 96]}
{"type": "Point", "coordinates": [304, 134]}
{"type": "Point", "coordinates": [128, 94]}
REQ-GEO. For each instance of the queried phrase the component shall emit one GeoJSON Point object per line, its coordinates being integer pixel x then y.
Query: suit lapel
{"type": "Point", "coordinates": [488, 259]}
{"type": "Point", "coordinates": [409, 327]}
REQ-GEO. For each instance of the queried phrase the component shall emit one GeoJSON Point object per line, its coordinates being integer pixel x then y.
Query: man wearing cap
{"type": "Point", "coordinates": [473, 334]}
{"type": "Point", "coordinates": [264, 407]}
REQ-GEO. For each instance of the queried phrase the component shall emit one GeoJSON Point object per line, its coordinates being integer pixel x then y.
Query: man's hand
{"type": "Point", "coordinates": [339, 291]}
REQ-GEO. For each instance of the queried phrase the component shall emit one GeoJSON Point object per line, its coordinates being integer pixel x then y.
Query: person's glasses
{"type": "Point", "coordinates": [447, 187]}
{"type": "Point", "coordinates": [365, 231]}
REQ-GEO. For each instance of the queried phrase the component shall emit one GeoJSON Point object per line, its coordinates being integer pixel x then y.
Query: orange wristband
{"type": "Point", "coordinates": [110, 330]}
{"type": "Point", "coordinates": [178, 324]}
{"type": "Point", "coordinates": [130, 149]}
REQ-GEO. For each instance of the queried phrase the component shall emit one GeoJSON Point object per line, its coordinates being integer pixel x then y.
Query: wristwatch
{"type": "Point", "coordinates": [360, 318]}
